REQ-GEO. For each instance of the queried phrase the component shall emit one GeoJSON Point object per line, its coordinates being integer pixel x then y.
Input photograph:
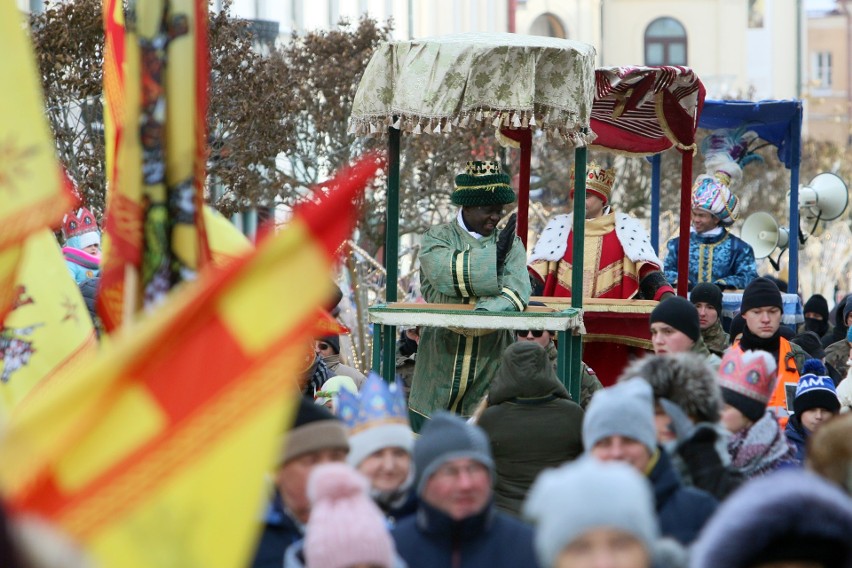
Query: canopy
{"type": "Point", "coordinates": [646, 110]}
{"type": "Point", "coordinates": [777, 122]}
{"type": "Point", "coordinates": [514, 81]}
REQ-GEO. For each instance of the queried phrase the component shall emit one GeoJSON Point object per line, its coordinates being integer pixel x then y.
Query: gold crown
{"type": "Point", "coordinates": [599, 180]}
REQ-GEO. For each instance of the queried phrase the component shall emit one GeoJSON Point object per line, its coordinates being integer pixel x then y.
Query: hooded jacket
{"type": "Point", "coordinates": [530, 421]}
{"type": "Point", "coordinates": [700, 452]}
{"type": "Point", "coordinates": [840, 328]}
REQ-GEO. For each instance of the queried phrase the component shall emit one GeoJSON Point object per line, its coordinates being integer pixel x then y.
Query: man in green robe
{"type": "Point", "coordinates": [468, 261]}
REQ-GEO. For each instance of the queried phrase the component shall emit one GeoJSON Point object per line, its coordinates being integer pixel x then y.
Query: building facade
{"type": "Point", "coordinates": [827, 62]}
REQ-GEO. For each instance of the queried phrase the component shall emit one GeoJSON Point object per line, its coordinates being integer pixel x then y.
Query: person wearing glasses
{"type": "Point", "coordinates": [468, 261]}
{"type": "Point", "coordinates": [589, 382]}
{"type": "Point", "coordinates": [456, 523]}
{"type": "Point", "coordinates": [328, 348]}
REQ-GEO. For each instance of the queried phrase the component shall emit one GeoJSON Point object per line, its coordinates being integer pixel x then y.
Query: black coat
{"type": "Point", "coordinates": [682, 511]}
{"type": "Point", "coordinates": [279, 532]}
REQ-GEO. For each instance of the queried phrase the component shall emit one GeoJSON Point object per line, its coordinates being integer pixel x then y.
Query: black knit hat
{"type": "Point", "coordinates": [334, 341]}
{"type": "Point", "coordinates": [737, 326]}
{"type": "Point", "coordinates": [708, 293]}
{"type": "Point", "coordinates": [761, 293]}
{"type": "Point", "coordinates": [680, 314]}
{"type": "Point", "coordinates": [810, 342]}
{"type": "Point", "coordinates": [817, 304]}
{"type": "Point", "coordinates": [482, 183]}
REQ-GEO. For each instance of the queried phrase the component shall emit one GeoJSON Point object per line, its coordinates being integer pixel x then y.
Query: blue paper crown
{"type": "Point", "coordinates": [377, 403]}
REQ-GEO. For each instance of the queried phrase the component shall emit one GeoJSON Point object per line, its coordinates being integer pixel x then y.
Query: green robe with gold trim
{"type": "Point", "coordinates": [454, 370]}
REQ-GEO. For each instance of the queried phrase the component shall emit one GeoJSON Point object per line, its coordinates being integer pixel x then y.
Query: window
{"type": "Point", "coordinates": [822, 69]}
{"type": "Point", "coordinates": [548, 25]}
{"type": "Point", "coordinates": [665, 42]}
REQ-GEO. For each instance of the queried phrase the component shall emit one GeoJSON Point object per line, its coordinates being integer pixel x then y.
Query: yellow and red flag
{"type": "Point", "coordinates": [32, 192]}
{"type": "Point", "coordinates": [155, 453]}
{"type": "Point", "coordinates": [48, 327]}
{"type": "Point", "coordinates": [155, 226]}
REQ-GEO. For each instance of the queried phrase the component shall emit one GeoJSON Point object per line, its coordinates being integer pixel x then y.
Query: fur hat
{"type": "Point", "coordinates": [482, 183]}
{"type": "Point", "coordinates": [346, 527]}
{"type": "Point", "coordinates": [625, 409]}
{"type": "Point", "coordinates": [709, 294]}
{"type": "Point", "coordinates": [683, 378]}
{"type": "Point", "coordinates": [599, 182]}
{"type": "Point", "coordinates": [747, 380]}
{"type": "Point", "coordinates": [575, 498]}
{"type": "Point", "coordinates": [787, 516]}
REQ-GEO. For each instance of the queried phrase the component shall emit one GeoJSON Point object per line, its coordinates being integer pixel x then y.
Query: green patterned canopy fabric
{"type": "Point", "coordinates": [433, 85]}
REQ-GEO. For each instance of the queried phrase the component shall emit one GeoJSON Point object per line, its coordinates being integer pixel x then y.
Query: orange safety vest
{"type": "Point", "coordinates": [781, 401]}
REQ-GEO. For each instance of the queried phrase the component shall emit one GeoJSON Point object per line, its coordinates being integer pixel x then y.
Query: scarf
{"type": "Point", "coordinates": [751, 341]}
{"type": "Point", "coordinates": [761, 448]}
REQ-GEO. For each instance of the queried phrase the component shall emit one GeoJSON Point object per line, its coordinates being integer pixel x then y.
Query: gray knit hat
{"type": "Point", "coordinates": [447, 437]}
{"type": "Point", "coordinates": [625, 409]}
{"type": "Point", "coordinates": [587, 494]}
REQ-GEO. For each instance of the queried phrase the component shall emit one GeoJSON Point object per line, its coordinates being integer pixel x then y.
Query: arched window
{"type": "Point", "coordinates": [665, 42]}
{"type": "Point", "coordinates": [548, 25]}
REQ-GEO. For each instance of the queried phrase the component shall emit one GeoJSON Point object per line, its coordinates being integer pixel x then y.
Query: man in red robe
{"type": "Point", "coordinates": [618, 263]}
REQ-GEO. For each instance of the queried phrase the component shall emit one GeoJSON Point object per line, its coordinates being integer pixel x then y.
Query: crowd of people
{"type": "Point", "coordinates": [729, 445]}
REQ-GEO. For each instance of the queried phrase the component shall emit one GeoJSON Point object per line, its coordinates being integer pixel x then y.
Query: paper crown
{"type": "Point", "coordinates": [482, 183]}
{"type": "Point", "coordinates": [599, 181]}
{"type": "Point", "coordinates": [377, 403]}
{"type": "Point", "coordinates": [80, 229]}
{"type": "Point", "coordinates": [749, 374]}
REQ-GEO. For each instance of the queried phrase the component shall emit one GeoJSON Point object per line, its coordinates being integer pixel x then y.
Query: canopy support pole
{"type": "Point", "coordinates": [569, 370]}
{"type": "Point", "coordinates": [524, 185]}
{"type": "Point", "coordinates": [391, 258]}
{"type": "Point", "coordinates": [796, 142]}
{"type": "Point", "coordinates": [685, 217]}
{"type": "Point", "coordinates": [655, 202]}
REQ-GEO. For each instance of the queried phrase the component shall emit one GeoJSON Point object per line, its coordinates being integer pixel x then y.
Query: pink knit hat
{"type": "Point", "coordinates": [346, 528]}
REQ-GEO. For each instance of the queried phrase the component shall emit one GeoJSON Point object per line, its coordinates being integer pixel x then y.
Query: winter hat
{"type": "Point", "coordinates": [315, 429]}
{"type": "Point", "coordinates": [599, 182]}
{"type": "Point", "coordinates": [333, 341]}
{"type": "Point", "coordinates": [708, 293]}
{"type": "Point", "coordinates": [810, 342]}
{"type": "Point", "coordinates": [849, 335]}
{"type": "Point", "coordinates": [79, 229]}
{"type": "Point", "coordinates": [625, 409]}
{"type": "Point", "coordinates": [818, 305]}
{"type": "Point", "coordinates": [482, 183]}
{"type": "Point", "coordinates": [789, 515]}
{"type": "Point", "coordinates": [680, 314]}
{"type": "Point", "coordinates": [683, 378]}
{"type": "Point", "coordinates": [376, 418]}
{"type": "Point", "coordinates": [815, 390]}
{"type": "Point", "coordinates": [830, 451]}
{"type": "Point", "coordinates": [747, 379]}
{"type": "Point", "coordinates": [447, 437]}
{"type": "Point", "coordinates": [346, 527]}
{"type": "Point", "coordinates": [761, 293]}
{"type": "Point", "coordinates": [587, 494]}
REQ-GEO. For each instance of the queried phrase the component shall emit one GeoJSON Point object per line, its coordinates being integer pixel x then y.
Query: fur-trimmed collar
{"type": "Point", "coordinates": [553, 243]}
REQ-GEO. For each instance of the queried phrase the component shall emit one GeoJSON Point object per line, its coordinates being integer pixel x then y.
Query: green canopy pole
{"type": "Point", "coordinates": [575, 349]}
{"type": "Point", "coordinates": [391, 255]}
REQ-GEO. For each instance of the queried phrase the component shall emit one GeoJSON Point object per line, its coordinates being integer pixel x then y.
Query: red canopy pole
{"type": "Point", "coordinates": [685, 218]}
{"type": "Point", "coordinates": [524, 137]}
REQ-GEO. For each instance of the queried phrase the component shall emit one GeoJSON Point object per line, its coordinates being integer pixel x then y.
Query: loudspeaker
{"type": "Point", "coordinates": [762, 232]}
{"type": "Point", "coordinates": [825, 198]}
